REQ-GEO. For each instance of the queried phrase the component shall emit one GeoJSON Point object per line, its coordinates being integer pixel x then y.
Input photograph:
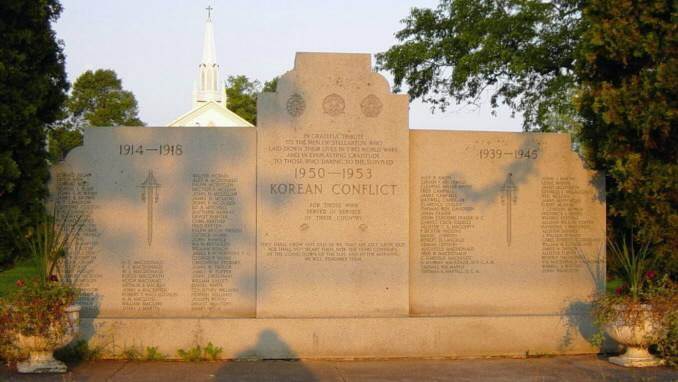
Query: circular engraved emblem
{"type": "Point", "coordinates": [371, 106]}
{"type": "Point", "coordinates": [333, 105]}
{"type": "Point", "coordinates": [296, 105]}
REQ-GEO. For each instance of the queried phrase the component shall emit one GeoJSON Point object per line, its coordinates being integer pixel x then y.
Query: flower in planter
{"type": "Point", "coordinates": [41, 315]}
{"type": "Point", "coordinates": [636, 315]}
{"type": "Point", "coordinates": [36, 319]}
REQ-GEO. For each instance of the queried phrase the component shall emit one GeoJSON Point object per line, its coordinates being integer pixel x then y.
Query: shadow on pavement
{"type": "Point", "coordinates": [247, 366]}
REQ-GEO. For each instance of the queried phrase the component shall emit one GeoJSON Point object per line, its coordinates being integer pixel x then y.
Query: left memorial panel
{"type": "Point", "coordinates": [168, 221]}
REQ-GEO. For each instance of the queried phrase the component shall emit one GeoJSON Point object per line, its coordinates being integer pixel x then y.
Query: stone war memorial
{"type": "Point", "coordinates": [333, 230]}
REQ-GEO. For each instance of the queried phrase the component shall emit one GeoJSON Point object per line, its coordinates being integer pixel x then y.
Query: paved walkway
{"type": "Point", "coordinates": [576, 368]}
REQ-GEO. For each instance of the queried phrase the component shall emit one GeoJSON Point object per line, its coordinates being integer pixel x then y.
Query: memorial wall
{"type": "Point", "coordinates": [333, 185]}
{"type": "Point", "coordinates": [168, 221]}
{"type": "Point", "coordinates": [502, 223]}
{"type": "Point", "coordinates": [332, 230]}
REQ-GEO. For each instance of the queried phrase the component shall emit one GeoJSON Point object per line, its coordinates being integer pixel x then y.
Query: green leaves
{"type": "Point", "coordinates": [241, 95]}
{"type": "Point", "coordinates": [522, 52]}
{"type": "Point", "coordinates": [98, 99]}
{"type": "Point", "coordinates": [32, 90]}
{"type": "Point", "coordinates": [628, 70]}
{"type": "Point", "coordinates": [605, 71]}
{"type": "Point", "coordinates": [47, 242]}
{"type": "Point", "coordinates": [37, 308]}
{"type": "Point", "coordinates": [635, 262]}
{"type": "Point", "coordinates": [198, 353]}
{"type": "Point", "coordinates": [63, 139]}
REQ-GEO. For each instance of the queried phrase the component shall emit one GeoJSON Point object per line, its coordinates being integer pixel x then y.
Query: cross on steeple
{"type": "Point", "coordinates": [209, 12]}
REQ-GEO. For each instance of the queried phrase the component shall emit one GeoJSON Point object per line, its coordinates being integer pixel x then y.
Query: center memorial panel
{"type": "Point", "coordinates": [333, 181]}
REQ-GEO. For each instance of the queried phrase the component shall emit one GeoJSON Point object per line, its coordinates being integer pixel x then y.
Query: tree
{"type": "Point", "coordinates": [32, 91]}
{"type": "Point", "coordinates": [628, 68]}
{"type": "Point", "coordinates": [271, 86]}
{"type": "Point", "coordinates": [62, 139]}
{"type": "Point", "coordinates": [241, 95]}
{"type": "Point", "coordinates": [523, 51]}
{"type": "Point", "coordinates": [98, 99]}
{"type": "Point", "coordinates": [601, 69]}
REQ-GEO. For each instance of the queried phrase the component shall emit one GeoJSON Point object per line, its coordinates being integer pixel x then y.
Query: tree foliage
{"type": "Point", "coordinates": [98, 99]}
{"type": "Point", "coordinates": [32, 90]}
{"type": "Point", "coordinates": [241, 95]}
{"type": "Point", "coordinates": [62, 139]}
{"type": "Point", "coordinates": [629, 70]}
{"type": "Point", "coordinates": [522, 51]}
{"type": "Point", "coordinates": [604, 70]}
{"type": "Point", "coordinates": [271, 86]}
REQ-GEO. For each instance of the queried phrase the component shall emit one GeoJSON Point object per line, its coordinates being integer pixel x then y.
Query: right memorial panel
{"type": "Point", "coordinates": [503, 224]}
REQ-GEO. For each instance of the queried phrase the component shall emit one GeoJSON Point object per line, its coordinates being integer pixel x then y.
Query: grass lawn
{"type": "Point", "coordinates": [24, 269]}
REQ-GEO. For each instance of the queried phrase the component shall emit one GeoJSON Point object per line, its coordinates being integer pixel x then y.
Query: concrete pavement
{"type": "Point", "coordinates": [570, 368]}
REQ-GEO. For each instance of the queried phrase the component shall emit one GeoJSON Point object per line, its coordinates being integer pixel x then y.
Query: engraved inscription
{"type": "Point", "coordinates": [75, 201]}
{"type": "Point", "coordinates": [163, 150]}
{"type": "Point", "coordinates": [565, 226]}
{"type": "Point", "coordinates": [338, 251]}
{"type": "Point", "coordinates": [334, 164]}
{"type": "Point", "coordinates": [446, 220]}
{"type": "Point", "coordinates": [169, 221]}
{"type": "Point", "coordinates": [214, 198]}
{"type": "Point", "coordinates": [143, 286]}
{"type": "Point", "coordinates": [332, 196]}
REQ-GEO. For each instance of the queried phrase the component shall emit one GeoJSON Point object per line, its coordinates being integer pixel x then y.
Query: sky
{"type": "Point", "coordinates": [155, 47]}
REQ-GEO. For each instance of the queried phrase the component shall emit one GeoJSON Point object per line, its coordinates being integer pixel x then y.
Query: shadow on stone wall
{"type": "Point", "coordinates": [518, 171]}
{"type": "Point", "coordinates": [578, 314]}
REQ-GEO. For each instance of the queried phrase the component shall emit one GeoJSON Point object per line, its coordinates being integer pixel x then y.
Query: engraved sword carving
{"type": "Point", "coordinates": [509, 197]}
{"type": "Point", "coordinates": [150, 195]}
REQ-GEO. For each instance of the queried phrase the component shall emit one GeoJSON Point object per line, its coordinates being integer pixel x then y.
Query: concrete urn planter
{"type": "Point", "coordinates": [40, 349]}
{"type": "Point", "coordinates": [636, 339]}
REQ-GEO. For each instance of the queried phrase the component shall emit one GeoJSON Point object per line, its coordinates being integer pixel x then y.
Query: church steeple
{"type": "Point", "coordinates": [209, 84]}
{"type": "Point", "coordinates": [209, 99]}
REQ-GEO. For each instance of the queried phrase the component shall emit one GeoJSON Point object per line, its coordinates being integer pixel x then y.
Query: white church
{"type": "Point", "coordinates": [209, 97]}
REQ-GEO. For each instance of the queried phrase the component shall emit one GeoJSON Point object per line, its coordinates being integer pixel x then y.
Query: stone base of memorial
{"type": "Point", "coordinates": [344, 338]}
